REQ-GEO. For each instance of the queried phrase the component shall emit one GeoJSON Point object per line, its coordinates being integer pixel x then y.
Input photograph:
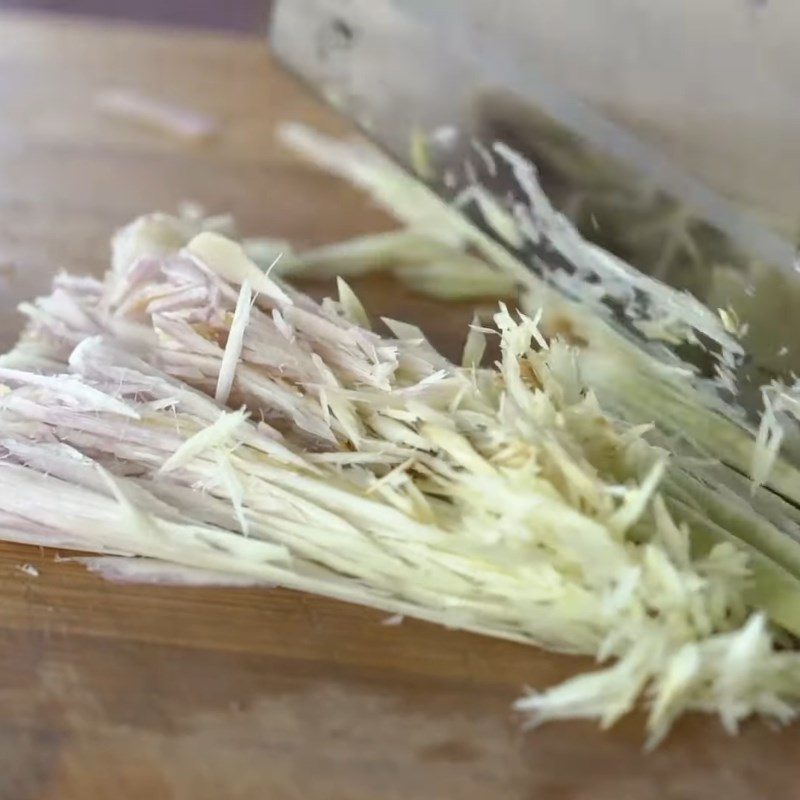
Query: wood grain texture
{"type": "Point", "coordinates": [200, 694]}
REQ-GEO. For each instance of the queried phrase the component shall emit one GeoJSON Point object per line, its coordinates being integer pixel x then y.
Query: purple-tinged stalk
{"type": "Point", "coordinates": [371, 469]}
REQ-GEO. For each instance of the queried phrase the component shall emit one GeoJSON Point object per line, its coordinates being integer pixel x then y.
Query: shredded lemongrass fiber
{"type": "Point", "coordinates": [637, 378]}
{"type": "Point", "coordinates": [506, 500]}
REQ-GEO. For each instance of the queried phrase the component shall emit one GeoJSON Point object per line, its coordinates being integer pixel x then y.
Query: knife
{"type": "Point", "coordinates": [436, 85]}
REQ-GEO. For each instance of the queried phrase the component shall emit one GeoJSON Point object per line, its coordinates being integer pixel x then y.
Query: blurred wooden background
{"type": "Point", "coordinates": [713, 84]}
{"type": "Point", "coordinates": [230, 15]}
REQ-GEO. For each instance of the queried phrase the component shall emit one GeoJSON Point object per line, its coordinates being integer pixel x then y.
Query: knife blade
{"type": "Point", "coordinates": [436, 85]}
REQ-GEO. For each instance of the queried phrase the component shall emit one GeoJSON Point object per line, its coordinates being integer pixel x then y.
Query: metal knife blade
{"type": "Point", "coordinates": [405, 68]}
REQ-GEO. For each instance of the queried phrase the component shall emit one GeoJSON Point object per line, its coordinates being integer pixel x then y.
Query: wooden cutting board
{"type": "Point", "coordinates": [132, 692]}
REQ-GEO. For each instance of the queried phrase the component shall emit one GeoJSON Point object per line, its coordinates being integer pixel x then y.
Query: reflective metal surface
{"type": "Point", "coordinates": [402, 68]}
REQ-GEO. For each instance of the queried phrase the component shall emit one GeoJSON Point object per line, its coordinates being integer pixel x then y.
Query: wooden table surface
{"type": "Point", "coordinates": [213, 694]}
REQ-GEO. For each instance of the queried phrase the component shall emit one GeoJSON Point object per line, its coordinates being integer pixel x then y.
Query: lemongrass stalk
{"type": "Point", "coordinates": [503, 499]}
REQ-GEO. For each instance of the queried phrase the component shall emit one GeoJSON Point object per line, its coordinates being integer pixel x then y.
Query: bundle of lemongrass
{"type": "Point", "coordinates": [193, 417]}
